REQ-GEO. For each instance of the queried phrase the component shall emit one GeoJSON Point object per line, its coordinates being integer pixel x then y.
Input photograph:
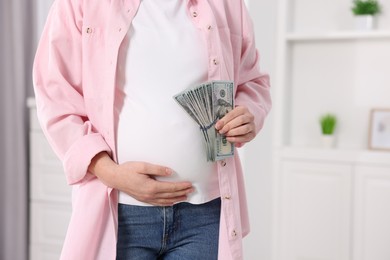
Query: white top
{"type": "Point", "coordinates": [165, 55]}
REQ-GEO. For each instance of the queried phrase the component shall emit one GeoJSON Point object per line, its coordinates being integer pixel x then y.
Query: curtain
{"type": "Point", "coordinates": [16, 52]}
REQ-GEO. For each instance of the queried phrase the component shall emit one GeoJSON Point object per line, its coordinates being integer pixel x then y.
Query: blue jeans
{"type": "Point", "coordinates": [183, 231]}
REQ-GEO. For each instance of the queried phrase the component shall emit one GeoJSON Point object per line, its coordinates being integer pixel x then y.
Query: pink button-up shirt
{"type": "Point", "coordinates": [74, 80]}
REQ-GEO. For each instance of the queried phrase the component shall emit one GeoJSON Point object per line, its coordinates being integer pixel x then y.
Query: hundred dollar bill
{"type": "Point", "coordinates": [206, 104]}
{"type": "Point", "coordinates": [222, 104]}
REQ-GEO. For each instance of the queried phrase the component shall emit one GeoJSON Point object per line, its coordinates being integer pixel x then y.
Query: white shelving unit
{"type": "Point", "coordinates": [322, 196]}
{"type": "Point", "coordinates": [337, 36]}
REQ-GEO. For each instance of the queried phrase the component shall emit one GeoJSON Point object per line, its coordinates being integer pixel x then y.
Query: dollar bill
{"type": "Point", "coordinates": [222, 104]}
{"type": "Point", "coordinates": [206, 104]}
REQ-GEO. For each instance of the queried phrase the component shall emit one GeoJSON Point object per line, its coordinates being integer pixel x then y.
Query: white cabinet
{"type": "Point", "coordinates": [372, 211]}
{"type": "Point", "coordinates": [50, 197]}
{"type": "Point", "coordinates": [316, 210]}
{"type": "Point", "coordinates": [333, 205]}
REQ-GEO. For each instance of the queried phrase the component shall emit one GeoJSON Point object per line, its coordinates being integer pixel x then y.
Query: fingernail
{"type": "Point", "coordinates": [168, 171]}
{"type": "Point", "coordinates": [218, 125]}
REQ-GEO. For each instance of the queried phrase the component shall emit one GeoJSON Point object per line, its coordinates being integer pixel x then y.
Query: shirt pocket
{"type": "Point", "coordinates": [230, 51]}
{"type": "Point", "coordinates": [92, 61]}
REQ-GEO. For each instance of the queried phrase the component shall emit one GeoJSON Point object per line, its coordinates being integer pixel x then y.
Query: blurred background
{"type": "Point", "coordinates": [317, 176]}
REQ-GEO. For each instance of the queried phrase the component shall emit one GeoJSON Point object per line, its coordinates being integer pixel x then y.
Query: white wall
{"type": "Point", "coordinates": [258, 154]}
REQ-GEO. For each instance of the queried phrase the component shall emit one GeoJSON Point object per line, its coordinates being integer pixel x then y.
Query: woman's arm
{"type": "Point", "coordinates": [253, 100]}
{"type": "Point", "coordinates": [57, 76]}
{"type": "Point", "coordinates": [138, 180]}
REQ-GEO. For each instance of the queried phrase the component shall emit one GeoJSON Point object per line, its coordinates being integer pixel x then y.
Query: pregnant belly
{"type": "Point", "coordinates": [176, 143]}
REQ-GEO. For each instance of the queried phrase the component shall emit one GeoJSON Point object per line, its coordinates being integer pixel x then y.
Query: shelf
{"type": "Point", "coordinates": [336, 36]}
{"type": "Point", "coordinates": [360, 156]}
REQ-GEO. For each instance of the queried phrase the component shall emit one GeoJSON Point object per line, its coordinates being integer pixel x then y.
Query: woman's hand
{"type": "Point", "coordinates": [238, 126]}
{"type": "Point", "coordinates": [137, 180]}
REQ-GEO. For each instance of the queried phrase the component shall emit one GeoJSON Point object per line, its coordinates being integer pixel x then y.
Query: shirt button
{"type": "Point", "coordinates": [227, 197]}
{"type": "Point", "coordinates": [120, 29]}
{"type": "Point", "coordinates": [223, 163]}
{"type": "Point", "coordinates": [215, 61]}
{"type": "Point", "coordinates": [209, 27]}
{"type": "Point", "coordinates": [234, 233]}
{"type": "Point", "coordinates": [194, 14]}
{"type": "Point", "coordinates": [89, 30]}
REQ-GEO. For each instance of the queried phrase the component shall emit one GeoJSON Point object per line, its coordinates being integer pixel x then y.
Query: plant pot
{"type": "Point", "coordinates": [365, 22]}
{"type": "Point", "coordinates": [328, 141]}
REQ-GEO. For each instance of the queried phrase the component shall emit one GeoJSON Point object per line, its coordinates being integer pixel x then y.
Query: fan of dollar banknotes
{"type": "Point", "coordinates": [206, 104]}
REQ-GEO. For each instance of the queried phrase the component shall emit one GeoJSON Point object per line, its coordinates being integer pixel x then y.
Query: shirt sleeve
{"type": "Point", "coordinates": [57, 77]}
{"type": "Point", "coordinates": [253, 90]}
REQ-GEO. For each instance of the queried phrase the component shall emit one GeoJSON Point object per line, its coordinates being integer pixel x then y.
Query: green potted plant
{"type": "Point", "coordinates": [328, 124]}
{"type": "Point", "coordinates": [365, 12]}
